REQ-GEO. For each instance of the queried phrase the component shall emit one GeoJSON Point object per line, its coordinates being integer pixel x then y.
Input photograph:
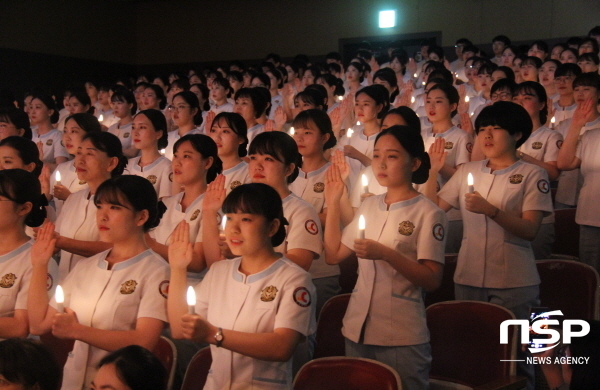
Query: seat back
{"type": "Point", "coordinates": [344, 373]}
{"type": "Point", "coordinates": [60, 348]}
{"type": "Point", "coordinates": [166, 352]}
{"type": "Point", "coordinates": [569, 286]}
{"type": "Point", "coordinates": [197, 371]}
{"type": "Point", "coordinates": [446, 290]}
{"type": "Point", "coordinates": [465, 344]}
{"type": "Point", "coordinates": [566, 237]}
{"type": "Point", "coordinates": [329, 338]}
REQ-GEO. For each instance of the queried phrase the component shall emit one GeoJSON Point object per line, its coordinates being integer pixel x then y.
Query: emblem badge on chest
{"type": "Point", "coordinates": [49, 142]}
{"type": "Point", "coordinates": [449, 145]}
{"type": "Point", "coordinates": [268, 294]}
{"type": "Point", "coordinates": [195, 215]}
{"type": "Point", "coordinates": [128, 287]}
{"type": "Point", "coordinates": [234, 184]}
{"type": "Point", "coordinates": [8, 280]}
{"type": "Point", "coordinates": [319, 187]}
{"type": "Point", "coordinates": [406, 228]}
{"type": "Point", "coordinates": [152, 179]}
{"type": "Point", "coordinates": [517, 178]}
{"type": "Point", "coordinates": [126, 135]}
{"type": "Point", "coordinates": [537, 145]}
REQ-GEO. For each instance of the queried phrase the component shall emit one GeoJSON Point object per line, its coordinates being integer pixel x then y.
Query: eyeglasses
{"type": "Point", "coordinates": [563, 79]}
{"type": "Point", "coordinates": [501, 95]}
{"type": "Point", "coordinates": [177, 108]}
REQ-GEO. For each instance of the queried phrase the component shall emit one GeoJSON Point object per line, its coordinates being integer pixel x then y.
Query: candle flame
{"type": "Point", "coordinates": [553, 120]}
{"type": "Point", "coordinates": [349, 132]}
{"type": "Point", "coordinates": [100, 118]}
{"type": "Point", "coordinates": [412, 99]}
{"type": "Point", "coordinates": [292, 131]}
{"type": "Point", "coordinates": [470, 180]}
{"type": "Point", "coordinates": [466, 99]}
{"type": "Point", "coordinates": [340, 98]}
{"type": "Point", "coordinates": [59, 295]}
{"type": "Point", "coordinates": [163, 151]}
{"type": "Point", "coordinates": [191, 296]}
{"type": "Point", "coordinates": [223, 223]}
{"type": "Point", "coordinates": [416, 75]}
{"type": "Point", "coordinates": [361, 222]}
{"type": "Point", "coordinates": [57, 176]}
{"type": "Point", "coordinates": [365, 181]}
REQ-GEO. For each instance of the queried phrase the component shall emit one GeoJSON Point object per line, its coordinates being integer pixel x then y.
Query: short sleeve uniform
{"type": "Point", "coordinates": [172, 217]}
{"type": "Point", "coordinates": [281, 296]}
{"type": "Point", "coordinates": [123, 133]}
{"type": "Point", "coordinates": [52, 146]}
{"type": "Point", "coordinates": [108, 117]}
{"type": "Point", "coordinates": [385, 307]}
{"type": "Point", "coordinates": [69, 179]}
{"type": "Point", "coordinates": [459, 145]}
{"type": "Point", "coordinates": [111, 299]}
{"type": "Point", "coordinates": [304, 232]}
{"type": "Point", "coordinates": [159, 174]}
{"type": "Point", "coordinates": [490, 256]}
{"type": "Point", "coordinates": [311, 187]}
{"type": "Point", "coordinates": [172, 137]}
{"type": "Point", "coordinates": [570, 182]}
{"type": "Point", "coordinates": [77, 220]}
{"type": "Point", "coordinates": [543, 145]}
{"type": "Point", "coordinates": [15, 276]}
{"type": "Point", "coordinates": [236, 176]}
{"type": "Point", "coordinates": [588, 211]}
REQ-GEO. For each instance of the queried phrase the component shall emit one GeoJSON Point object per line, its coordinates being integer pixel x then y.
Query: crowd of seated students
{"type": "Point", "coordinates": [252, 183]}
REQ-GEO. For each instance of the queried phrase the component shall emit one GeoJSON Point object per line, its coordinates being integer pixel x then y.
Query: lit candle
{"type": "Point", "coordinates": [466, 99]}
{"type": "Point", "coordinates": [358, 123]}
{"type": "Point", "coordinates": [57, 177]}
{"type": "Point", "coordinates": [223, 223]}
{"type": "Point", "coordinates": [191, 300]}
{"type": "Point", "coordinates": [361, 227]}
{"type": "Point", "coordinates": [340, 98]}
{"type": "Point", "coordinates": [163, 151]}
{"type": "Point", "coordinates": [365, 183]}
{"type": "Point", "coordinates": [415, 75]}
{"type": "Point", "coordinates": [59, 296]}
{"type": "Point", "coordinates": [100, 118]}
{"type": "Point", "coordinates": [424, 83]}
{"type": "Point", "coordinates": [412, 99]}
{"type": "Point", "coordinates": [553, 121]}
{"type": "Point", "coordinates": [470, 183]}
{"type": "Point", "coordinates": [292, 131]}
{"type": "Point", "coordinates": [349, 132]}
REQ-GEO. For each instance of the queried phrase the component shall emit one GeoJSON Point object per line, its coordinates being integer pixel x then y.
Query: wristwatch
{"type": "Point", "coordinates": [219, 337]}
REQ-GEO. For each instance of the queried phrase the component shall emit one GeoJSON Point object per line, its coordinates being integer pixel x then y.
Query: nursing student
{"type": "Point", "coordinates": [400, 253]}
{"type": "Point", "coordinates": [187, 115]}
{"type": "Point", "coordinates": [42, 114]}
{"type": "Point", "coordinates": [113, 299]}
{"type": "Point", "coordinates": [195, 164]}
{"type": "Point", "coordinates": [541, 148]}
{"type": "Point", "coordinates": [21, 205]}
{"type": "Point", "coordinates": [580, 150]}
{"type": "Point", "coordinates": [269, 307]}
{"type": "Point", "coordinates": [229, 132]}
{"type": "Point", "coordinates": [502, 215]}
{"type": "Point", "coordinates": [124, 105]}
{"type": "Point", "coordinates": [99, 157]}
{"type": "Point", "coordinates": [76, 127]}
{"type": "Point", "coordinates": [149, 133]}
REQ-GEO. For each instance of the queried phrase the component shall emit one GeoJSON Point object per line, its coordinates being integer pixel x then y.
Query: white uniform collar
{"type": "Point", "coordinates": [239, 277]}
{"type": "Point", "coordinates": [486, 169]}
{"type": "Point", "coordinates": [404, 203]}
{"type": "Point", "coordinates": [103, 264]}
{"type": "Point", "coordinates": [16, 252]}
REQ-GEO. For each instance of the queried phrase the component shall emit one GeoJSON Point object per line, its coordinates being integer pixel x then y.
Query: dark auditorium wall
{"type": "Point", "coordinates": [191, 30]}
{"type": "Point", "coordinates": [55, 39]}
